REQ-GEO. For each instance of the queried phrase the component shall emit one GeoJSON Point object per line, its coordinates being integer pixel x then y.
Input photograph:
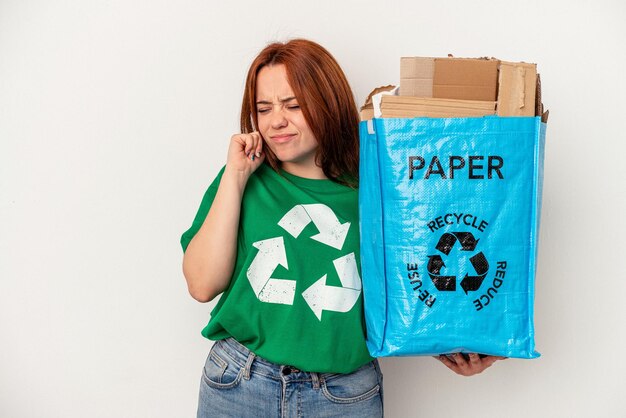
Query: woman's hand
{"type": "Point", "coordinates": [245, 153]}
{"type": "Point", "coordinates": [459, 365]}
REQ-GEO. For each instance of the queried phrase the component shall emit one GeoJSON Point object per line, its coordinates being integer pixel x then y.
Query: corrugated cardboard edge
{"type": "Point", "coordinates": [368, 100]}
{"type": "Point", "coordinates": [367, 110]}
{"type": "Point", "coordinates": [539, 108]}
{"type": "Point", "coordinates": [411, 107]}
{"type": "Point", "coordinates": [538, 103]}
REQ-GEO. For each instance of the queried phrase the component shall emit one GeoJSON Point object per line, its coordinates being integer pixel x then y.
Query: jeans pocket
{"type": "Point", "coordinates": [360, 385]}
{"type": "Point", "coordinates": [220, 371]}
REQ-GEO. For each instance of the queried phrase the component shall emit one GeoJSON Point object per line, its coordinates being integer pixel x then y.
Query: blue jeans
{"type": "Point", "coordinates": [237, 383]}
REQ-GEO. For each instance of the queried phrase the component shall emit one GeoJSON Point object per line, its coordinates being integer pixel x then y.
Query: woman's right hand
{"type": "Point", "coordinates": [245, 153]}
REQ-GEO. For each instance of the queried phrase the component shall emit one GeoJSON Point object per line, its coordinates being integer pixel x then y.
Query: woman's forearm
{"type": "Point", "coordinates": [210, 257]}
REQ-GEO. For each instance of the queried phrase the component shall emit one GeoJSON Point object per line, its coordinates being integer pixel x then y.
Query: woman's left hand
{"type": "Point", "coordinates": [459, 365]}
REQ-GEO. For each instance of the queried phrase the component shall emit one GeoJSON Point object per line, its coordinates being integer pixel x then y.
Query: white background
{"type": "Point", "coordinates": [115, 117]}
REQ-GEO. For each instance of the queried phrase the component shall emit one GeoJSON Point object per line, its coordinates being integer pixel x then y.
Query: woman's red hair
{"type": "Point", "coordinates": [325, 98]}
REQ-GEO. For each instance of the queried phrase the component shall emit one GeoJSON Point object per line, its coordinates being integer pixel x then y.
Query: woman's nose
{"type": "Point", "coordinates": [278, 118]}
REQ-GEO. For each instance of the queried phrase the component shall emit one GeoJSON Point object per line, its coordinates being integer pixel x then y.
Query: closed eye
{"type": "Point", "coordinates": [267, 107]}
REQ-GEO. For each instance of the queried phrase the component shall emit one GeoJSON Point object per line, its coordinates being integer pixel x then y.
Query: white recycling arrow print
{"type": "Point", "coordinates": [271, 254]}
{"type": "Point", "coordinates": [331, 232]}
{"type": "Point", "coordinates": [318, 296]}
{"type": "Point", "coordinates": [321, 297]}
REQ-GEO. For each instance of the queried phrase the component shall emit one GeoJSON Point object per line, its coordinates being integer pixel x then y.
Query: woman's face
{"type": "Point", "coordinates": [282, 124]}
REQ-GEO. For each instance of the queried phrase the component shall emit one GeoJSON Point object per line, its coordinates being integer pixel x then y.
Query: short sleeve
{"type": "Point", "coordinates": [203, 211]}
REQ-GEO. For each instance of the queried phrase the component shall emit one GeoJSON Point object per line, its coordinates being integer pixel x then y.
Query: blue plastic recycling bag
{"type": "Point", "coordinates": [449, 224]}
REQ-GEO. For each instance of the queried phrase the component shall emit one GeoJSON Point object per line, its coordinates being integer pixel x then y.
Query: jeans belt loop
{"type": "Point", "coordinates": [246, 372]}
{"type": "Point", "coordinates": [315, 378]}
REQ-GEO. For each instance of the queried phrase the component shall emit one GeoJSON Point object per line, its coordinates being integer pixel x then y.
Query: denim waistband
{"type": "Point", "coordinates": [252, 363]}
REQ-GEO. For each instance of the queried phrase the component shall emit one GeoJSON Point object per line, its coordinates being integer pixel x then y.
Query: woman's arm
{"type": "Point", "coordinates": [210, 257]}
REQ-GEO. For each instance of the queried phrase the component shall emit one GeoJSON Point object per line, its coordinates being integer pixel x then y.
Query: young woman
{"type": "Point", "coordinates": [277, 232]}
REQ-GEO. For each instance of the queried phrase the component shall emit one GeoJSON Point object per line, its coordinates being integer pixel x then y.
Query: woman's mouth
{"type": "Point", "coordinates": [282, 138]}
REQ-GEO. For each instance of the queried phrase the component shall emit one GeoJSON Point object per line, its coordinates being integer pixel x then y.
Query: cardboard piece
{"type": "Point", "coordinates": [416, 76]}
{"type": "Point", "coordinates": [465, 78]}
{"type": "Point", "coordinates": [411, 107]}
{"type": "Point", "coordinates": [517, 87]}
{"type": "Point", "coordinates": [367, 110]}
{"type": "Point", "coordinates": [461, 87]}
{"type": "Point", "coordinates": [367, 114]}
{"type": "Point", "coordinates": [539, 109]}
{"type": "Point", "coordinates": [538, 103]}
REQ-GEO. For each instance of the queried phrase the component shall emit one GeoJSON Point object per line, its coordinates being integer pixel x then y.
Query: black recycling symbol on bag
{"type": "Point", "coordinates": [445, 245]}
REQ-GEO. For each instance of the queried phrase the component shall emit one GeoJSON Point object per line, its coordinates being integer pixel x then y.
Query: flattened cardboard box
{"type": "Point", "coordinates": [517, 87]}
{"type": "Point", "coordinates": [449, 78]}
{"type": "Point", "coordinates": [416, 76]}
{"type": "Point", "coordinates": [465, 78]}
{"type": "Point", "coordinates": [412, 107]}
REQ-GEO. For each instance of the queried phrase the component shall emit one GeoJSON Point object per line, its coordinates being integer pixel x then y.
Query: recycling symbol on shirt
{"type": "Point", "coordinates": [319, 296]}
{"type": "Point", "coordinates": [478, 261]}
